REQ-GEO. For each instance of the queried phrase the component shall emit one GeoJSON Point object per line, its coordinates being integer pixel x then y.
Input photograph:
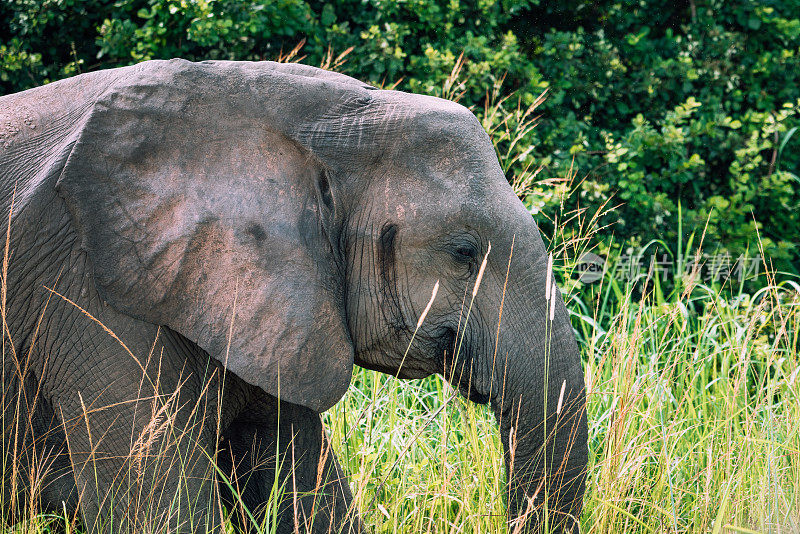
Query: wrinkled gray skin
{"type": "Point", "coordinates": [249, 231]}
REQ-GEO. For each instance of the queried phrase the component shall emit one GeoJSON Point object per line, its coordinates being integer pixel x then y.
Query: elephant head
{"type": "Point", "coordinates": [293, 222]}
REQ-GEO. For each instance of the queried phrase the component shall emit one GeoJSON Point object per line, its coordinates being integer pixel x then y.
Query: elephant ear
{"type": "Point", "coordinates": [199, 212]}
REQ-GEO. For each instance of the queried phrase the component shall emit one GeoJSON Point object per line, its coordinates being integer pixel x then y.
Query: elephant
{"type": "Point", "coordinates": [198, 253]}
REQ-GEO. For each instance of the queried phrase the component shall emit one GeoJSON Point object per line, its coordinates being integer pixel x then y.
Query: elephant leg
{"type": "Point", "coordinates": [141, 434]}
{"type": "Point", "coordinates": [57, 489]}
{"type": "Point", "coordinates": [37, 471]}
{"type": "Point", "coordinates": [307, 493]}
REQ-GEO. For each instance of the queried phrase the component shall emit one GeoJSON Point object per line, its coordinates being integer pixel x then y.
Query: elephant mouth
{"type": "Point", "coordinates": [470, 392]}
{"type": "Point", "coordinates": [458, 373]}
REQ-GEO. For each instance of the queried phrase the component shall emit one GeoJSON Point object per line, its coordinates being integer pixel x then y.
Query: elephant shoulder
{"type": "Point", "coordinates": [39, 127]}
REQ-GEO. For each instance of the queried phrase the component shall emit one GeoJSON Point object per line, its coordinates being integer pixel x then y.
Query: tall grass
{"type": "Point", "coordinates": [694, 425]}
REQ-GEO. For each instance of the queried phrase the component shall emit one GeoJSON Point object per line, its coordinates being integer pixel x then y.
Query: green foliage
{"type": "Point", "coordinates": [658, 103]}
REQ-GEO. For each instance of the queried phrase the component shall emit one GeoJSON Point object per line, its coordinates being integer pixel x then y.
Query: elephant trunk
{"type": "Point", "coordinates": [540, 405]}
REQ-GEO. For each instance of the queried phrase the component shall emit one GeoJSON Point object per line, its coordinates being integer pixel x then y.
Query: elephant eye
{"type": "Point", "coordinates": [465, 252]}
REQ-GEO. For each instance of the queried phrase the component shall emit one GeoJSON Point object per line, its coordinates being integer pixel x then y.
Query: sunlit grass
{"type": "Point", "coordinates": [694, 422]}
{"type": "Point", "coordinates": [694, 426]}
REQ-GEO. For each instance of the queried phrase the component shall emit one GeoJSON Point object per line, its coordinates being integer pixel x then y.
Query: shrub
{"type": "Point", "coordinates": [659, 104]}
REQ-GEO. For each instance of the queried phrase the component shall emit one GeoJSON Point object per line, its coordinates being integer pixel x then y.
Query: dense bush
{"type": "Point", "coordinates": [668, 107]}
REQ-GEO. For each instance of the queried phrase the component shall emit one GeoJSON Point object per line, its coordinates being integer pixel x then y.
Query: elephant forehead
{"type": "Point", "coordinates": [375, 124]}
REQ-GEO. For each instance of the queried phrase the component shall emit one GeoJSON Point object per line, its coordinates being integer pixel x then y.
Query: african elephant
{"type": "Point", "coordinates": [188, 243]}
